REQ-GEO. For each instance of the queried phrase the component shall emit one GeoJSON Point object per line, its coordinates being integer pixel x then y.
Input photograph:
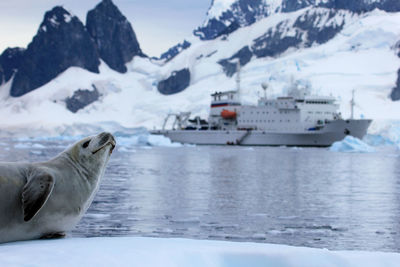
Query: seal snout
{"type": "Point", "coordinates": [104, 140]}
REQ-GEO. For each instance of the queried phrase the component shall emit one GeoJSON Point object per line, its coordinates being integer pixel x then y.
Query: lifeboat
{"type": "Point", "coordinates": [227, 114]}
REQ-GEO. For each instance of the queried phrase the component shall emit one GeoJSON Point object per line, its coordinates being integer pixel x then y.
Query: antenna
{"type": "Point", "coordinates": [352, 103]}
{"type": "Point", "coordinates": [264, 86]}
{"type": "Point", "coordinates": [238, 76]}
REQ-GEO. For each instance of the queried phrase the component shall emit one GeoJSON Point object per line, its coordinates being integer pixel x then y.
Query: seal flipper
{"type": "Point", "coordinates": [35, 193]}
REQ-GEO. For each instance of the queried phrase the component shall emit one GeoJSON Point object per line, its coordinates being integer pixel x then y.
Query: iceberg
{"type": "Point", "coordinates": [351, 144]}
{"type": "Point", "coordinates": [174, 252]}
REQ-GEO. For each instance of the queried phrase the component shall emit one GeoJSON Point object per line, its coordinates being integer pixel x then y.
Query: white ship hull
{"type": "Point", "coordinates": [330, 133]}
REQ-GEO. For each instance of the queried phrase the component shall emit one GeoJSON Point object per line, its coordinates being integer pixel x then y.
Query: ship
{"type": "Point", "coordinates": [296, 119]}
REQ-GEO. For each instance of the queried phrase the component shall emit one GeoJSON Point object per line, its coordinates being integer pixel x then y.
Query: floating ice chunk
{"type": "Point", "coordinates": [28, 145]}
{"type": "Point", "coordinates": [351, 144]}
{"type": "Point", "coordinates": [22, 145]}
{"type": "Point", "coordinates": [38, 146]}
{"type": "Point", "coordinates": [156, 140]}
{"type": "Point", "coordinates": [126, 149]}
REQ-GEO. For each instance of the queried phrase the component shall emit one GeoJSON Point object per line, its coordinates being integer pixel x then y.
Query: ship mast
{"type": "Point", "coordinates": [238, 79]}
{"type": "Point", "coordinates": [265, 87]}
{"type": "Point", "coordinates": [352, 103]}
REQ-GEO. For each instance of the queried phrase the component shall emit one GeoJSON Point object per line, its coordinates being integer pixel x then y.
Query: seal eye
{"type": "Point", "coordinates": [86, 144]}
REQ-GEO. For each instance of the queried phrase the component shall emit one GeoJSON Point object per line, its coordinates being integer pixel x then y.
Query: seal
{"type": "Point", "coordinates": [47, 199]}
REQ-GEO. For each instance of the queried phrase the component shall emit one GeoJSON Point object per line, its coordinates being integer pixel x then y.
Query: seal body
{"type": "Point", "coordinates": [47, 199]}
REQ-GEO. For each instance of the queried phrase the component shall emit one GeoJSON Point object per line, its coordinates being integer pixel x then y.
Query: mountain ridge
{"type": "Point", "coordinates": [333, 50]}
{"type": "Point", "coordinates": [63, 41]}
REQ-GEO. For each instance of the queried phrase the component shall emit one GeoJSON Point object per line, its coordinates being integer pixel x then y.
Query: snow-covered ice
{"type": "Point", "coordinates": [138, 251]}
{"type": "Point", "coordinates": [351, 144]}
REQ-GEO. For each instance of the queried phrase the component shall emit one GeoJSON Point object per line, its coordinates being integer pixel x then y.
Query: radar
{"type": "Point", "coordinates": [264, 85]}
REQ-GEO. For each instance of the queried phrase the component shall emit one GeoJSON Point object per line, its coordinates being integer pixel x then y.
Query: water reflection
{"type": "Point", "coordinates": [308, 197]}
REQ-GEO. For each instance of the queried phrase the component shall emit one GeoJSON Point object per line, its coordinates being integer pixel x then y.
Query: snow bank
{"type": "Point", "coordinates": [138, 251]}
{"type": "Point", "coordinates": [351, 144]}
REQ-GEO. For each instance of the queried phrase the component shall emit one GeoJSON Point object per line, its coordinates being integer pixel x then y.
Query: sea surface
{"type": "Point", "coordinates": [296, 196]}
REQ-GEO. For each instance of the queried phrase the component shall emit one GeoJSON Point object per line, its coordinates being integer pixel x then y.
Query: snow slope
{"type": "Point", "coordinates": [360, 57]}
{"type": "Point", "coordinates": [135, 251]}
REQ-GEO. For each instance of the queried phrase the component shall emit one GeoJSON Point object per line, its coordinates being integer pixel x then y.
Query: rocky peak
{"type": "Point", "coordinates": [10, 60]}
{"type": "Point", "coordinates": [61, 42]}
{"type": "Point", "coordinates": [175, 50]}
{"type": "Point", "coordinates": [113, 34]}
{"type": "Point", "coordinates": [55, 18]}
{"type": "Point", "coordinates": [222, 20]}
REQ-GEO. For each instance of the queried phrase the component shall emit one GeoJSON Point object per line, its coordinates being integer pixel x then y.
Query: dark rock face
{"type": "Point", "coordinates": [61, 42]}
{"type": "Point", "coordinates": [360, 6]}
{"type": "Point", "coordinates": [322, 34]}
{"type": "Point", "coordinates": [246, 12]}
{"type": "Point", "coordinates": [294, 5]}
{"type": "Point", "coordinates": [273, 43]}
{"type": "Point", "coordinates": [244, 56]}
{"type": "Point", "coordinates": [242, 13]}
{"type": "Point", "coordinates": [214, 29]}
{"type": "Point", "coordinates": [10, 60]}
{"type": "Point", "coordinates": [303, 33]}
{"type": "Point", "coordinates": [390, 5]}
{"type": "Point", "coordinates": [395, 95]}
{"type": "Point", "coordinates": [175, 50]}
{"type": "Point", "coordinates": [1, 75]}
{"type": "Point", "coordinates": [115, 39]}
{"type": "Point", "coordinates": [177, 82]}
{"type": "Point", "coordinates": [81, 99]}
{"type": "Point", "coordinates": [357, 6]}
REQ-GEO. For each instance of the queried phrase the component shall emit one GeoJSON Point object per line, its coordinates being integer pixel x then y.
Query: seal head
{"type": "Point", "coordinates": [91, 154]}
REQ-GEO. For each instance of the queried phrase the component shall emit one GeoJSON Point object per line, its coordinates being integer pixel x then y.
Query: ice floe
{"type": "Point", "coordinates": [141, 251]}
{"type": "Point", "coordinates": [351, 144]}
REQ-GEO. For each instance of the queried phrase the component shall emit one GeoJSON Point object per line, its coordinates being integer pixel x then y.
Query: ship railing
{"type": "Point", "coordinates": [180, 120]}
{"type": "Point", "coordinates": [244, 136]}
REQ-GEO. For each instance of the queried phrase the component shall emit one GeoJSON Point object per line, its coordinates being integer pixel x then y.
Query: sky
{"type": "Point", "coordinates": [158, 24]}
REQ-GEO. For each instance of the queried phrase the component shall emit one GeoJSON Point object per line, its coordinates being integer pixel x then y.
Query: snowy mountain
{"type": "Point", "coordinates": [226, 16]}
{"type": "Point", "coordinates": [333, 45]}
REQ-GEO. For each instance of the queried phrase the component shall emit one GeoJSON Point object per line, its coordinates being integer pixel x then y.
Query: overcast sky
{"type": "Point", "coordinates": [158, 24]}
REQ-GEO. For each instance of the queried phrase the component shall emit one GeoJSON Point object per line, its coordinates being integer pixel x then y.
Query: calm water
{"type": "Point", "coordinates": [304, 197]}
